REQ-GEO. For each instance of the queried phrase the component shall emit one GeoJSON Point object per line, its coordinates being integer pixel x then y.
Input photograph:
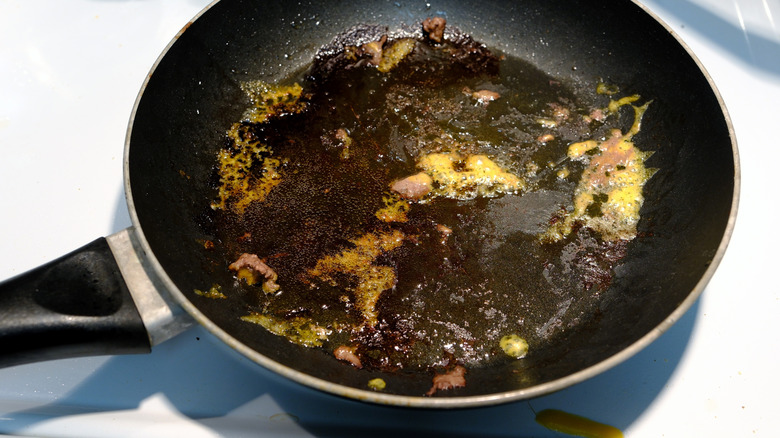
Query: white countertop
{"type": "Point", "coordinates": [69, 75]}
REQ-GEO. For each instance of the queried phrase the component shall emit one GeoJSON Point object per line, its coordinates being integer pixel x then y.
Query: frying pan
{"type": "Point", "coordinates": [134, 289]}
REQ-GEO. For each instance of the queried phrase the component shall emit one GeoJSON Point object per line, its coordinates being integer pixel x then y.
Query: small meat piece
{"type": "Point", "coordinates": [433, 28]}
{"type": "Point", "coordinates": [485, 96]}
{"type": "Point", "coordinates": [345, 140]}
{"type": "Point", "coordinates": [598, 115]}
{"type": "Point", "coordinates": [445, 232]}
{"type": "Point", "coordinates": [449, 380]}
{"type": "Point", "coordinates": [342, 135]}
{"type": "Point", "coordinates": [347, 354]}
{"type": "Point", "coordinates": [374, 49]}
{"type": "Point", "coordinates": [559, 112]}
{"type": "Point", "coordinates": [252, 269]}
{"type": "Point", "coordinates": [413, 187]}
{"type": "Point", "coordinates": [544, 138]}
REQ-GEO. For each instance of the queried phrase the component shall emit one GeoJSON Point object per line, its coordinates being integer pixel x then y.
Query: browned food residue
{"type": "Point", "coordinates": [386, 186]}
{"type": "Point", "coordinates": [455, 378]}
{"type": "Point", "coordinates": [413, 187]}
{"type": "Point", "coordinates": [366, 279]}
{"type": "Point", "coordinates": [251, 269]}
{"type": "Point", "coordinates": [347, 354]}
{"type": "Point", "coordinates": [433, 28]}
{"type": "Point", "coordinates": [485, 96]}
{"type": "Point", "coordinates": [609, 195]}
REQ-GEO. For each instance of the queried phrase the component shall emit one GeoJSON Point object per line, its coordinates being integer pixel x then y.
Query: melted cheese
{"type": "Point", "coordinates": [299, 330]}
{"type": "Point", "coordinates": [609, 194]}
{"type": "Point", "coordinates": [240, 185]}
{"type": "Point", "coordinates": [215, 292]}
{"type": "Point", "coordinates": [396, 53]}
{"type": "Point", "coordinates": [370, 279]}
{"type": "Point", "coordinates": [395, 209]}
{"type": "Point", "coordinates": [377, 384]}
{"type": "Point", "coordinates": [459, 177]}
{"type": "Point", "coordinates": [514, 346]}
{"type": "Point", "coordinates": [270, 99]}
{"type": "Point", "coordinates": [237, 182]}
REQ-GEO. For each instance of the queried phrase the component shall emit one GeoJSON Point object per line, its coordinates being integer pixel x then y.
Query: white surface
{"type": "Point", "coordinates": [69, 74]}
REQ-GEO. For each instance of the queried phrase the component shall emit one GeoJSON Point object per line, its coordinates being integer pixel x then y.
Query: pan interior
{"type": "Point", "coordinates": [194, 95]}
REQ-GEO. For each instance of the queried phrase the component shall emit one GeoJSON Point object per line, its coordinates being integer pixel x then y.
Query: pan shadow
{"type": "Point", "coordinates": [121, 215]}
{"type": "Point", "coordinates": [214, 388]}
{"type": "Point", "coordinates": [617, 397]}
{"type": "Point", "coordinates": [749, 47]}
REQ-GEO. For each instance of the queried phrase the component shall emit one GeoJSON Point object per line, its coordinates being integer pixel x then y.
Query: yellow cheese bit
{"type": "Point", "coordinates": [609, 194]}
{"type": "Point", "coordinates": [377, 384]}
{"type": "Point", "coordinates": [396, 53]}
{"type": "Point", "coordinates": [460, 177]}
{"type": "Point", "coordinates": [215, 292]}
{"type": "Point", "coordinates": [395, 209]}
{"type": "Point", "coordinates": [299, 330]}
{"type": "Point", "coordinates": [514, 346]}
{"type": "Point", "coordinates": [358, 262]}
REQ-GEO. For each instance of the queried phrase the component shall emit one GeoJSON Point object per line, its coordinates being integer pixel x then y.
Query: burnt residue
{"type": "Point", "coordinates": [456, 293]}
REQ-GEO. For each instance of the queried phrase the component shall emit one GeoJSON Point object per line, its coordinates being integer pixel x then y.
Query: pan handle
{"type": "Point", "coordinates": [76, 305]}
{"type": "Point", "coordinates": [100, 299]}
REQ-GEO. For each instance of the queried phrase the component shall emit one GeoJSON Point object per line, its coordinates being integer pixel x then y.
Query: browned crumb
{"type": "Point", "coordinates": [374, 48]}
{"type": "Point", "coordinates": [544, 138]}
{"type": "Point", "coordinates": [347, 354]}
{"type": "Point", "coordinates": [413, 187]}
{"type": "Point", "coordinates": [250, 268]}
{"type": "Point", "coordinates": [451, 379]}
{"type": "Point", "coordinates": [485, 96]}
{"type": "Point", "coordinates": [433, 28]}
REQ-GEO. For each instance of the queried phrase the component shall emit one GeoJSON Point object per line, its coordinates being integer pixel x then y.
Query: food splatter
{"type": "Point", "coordinates": [609, 194]}
{"type": "Point", "coordinates": [377, 384]}
{"type": "Point", "coordinates": [514, 346]}
{"type": "Point", "coordinates": [370, 279]}
{"type": "Point", "coordinates": [389, 196]}
{"type": "Point", "coordinates": [299, 330]}
{"type": "Point", "coordinates": [215, 292]}
{"type": "Point", "coordinates": [395, 209]}
{"type": "Point", "coordinates": [468, 177]}
{"type": "Point", "coordinates": [572, 424]}
{"type": "Point", "coordinates": [240, 184]}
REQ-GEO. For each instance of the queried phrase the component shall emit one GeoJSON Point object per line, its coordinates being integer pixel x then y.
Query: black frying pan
{"type": "Point", "coordinates": [80, 304]}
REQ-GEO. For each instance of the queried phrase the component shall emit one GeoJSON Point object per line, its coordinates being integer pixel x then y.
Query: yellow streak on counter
{"type": "Point", "coordinates": [576, 425]}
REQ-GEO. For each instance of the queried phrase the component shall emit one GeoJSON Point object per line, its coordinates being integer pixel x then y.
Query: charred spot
{"type": "Point", "coordinates": [594, 209]}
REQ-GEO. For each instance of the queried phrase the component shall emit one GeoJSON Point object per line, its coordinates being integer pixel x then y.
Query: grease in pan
{"type": "Point", "coordinates": [422, 203]}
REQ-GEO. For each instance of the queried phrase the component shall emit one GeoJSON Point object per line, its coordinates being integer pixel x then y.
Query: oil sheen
{"type": "Point", "coordinates": [440, 272]}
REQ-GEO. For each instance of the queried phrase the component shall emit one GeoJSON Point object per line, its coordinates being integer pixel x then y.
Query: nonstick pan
{"type": "Point", "coordinates": [125, 293]}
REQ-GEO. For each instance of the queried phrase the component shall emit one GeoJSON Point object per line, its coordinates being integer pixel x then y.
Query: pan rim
{"type": "Point", "coordinates": [421, 401]}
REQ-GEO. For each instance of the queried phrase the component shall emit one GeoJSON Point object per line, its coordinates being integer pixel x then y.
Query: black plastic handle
{"type": "Point", "coordinates": [77, 305]}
